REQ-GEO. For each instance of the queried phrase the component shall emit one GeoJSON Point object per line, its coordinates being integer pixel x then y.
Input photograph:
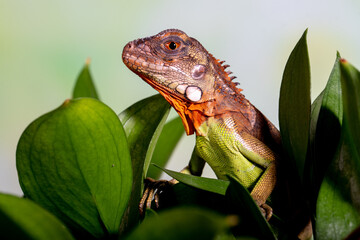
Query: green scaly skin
{"type": "Point", "coordinates": [225, 151]}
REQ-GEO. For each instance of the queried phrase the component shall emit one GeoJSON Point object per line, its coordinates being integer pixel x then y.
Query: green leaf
{"type": "Point", "coordinates": [23, 219]}
{"type": "Point", "coordinates": [289, 198]}
{"type": "Point", "coordinates": [350, 83]}
{"type": "Point", "coordinates": [325, 130]}
{"type": "Point", "coordinates": [75, 162]}
{"type": "Point", "coordinates": [183, 223]}
{"type": "Point", "coordinates": [170, 136]}
{"type": "Point", "coordinates": [150, 212]}
{"type": "Point", "coordinates": [185, 196]}
{"type": "Point", "coordinates": [84, 86]}
{"type": "Point", "coordinates": [143, 122]}
{"type": "Point", "coordinates": [244, 205]}
{"type": "Point", "coordinates": [294, 104]}
{"type": "Point", "coordinates": [208, 184]}
{"type": "Point", "coordinates": [338, 208]}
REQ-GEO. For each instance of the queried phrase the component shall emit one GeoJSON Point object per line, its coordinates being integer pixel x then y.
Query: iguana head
{"type": "Point", "coordinates": [181, 69]}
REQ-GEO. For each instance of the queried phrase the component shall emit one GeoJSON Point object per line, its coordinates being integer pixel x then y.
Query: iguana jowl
{"type": "Point", "coordinates": [232, 136]}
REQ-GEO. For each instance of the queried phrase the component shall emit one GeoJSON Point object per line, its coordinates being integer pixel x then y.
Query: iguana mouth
{"type": "Point", "coordinates": [151, 68]}
{"type": "Point", "coordinates": [138, 62]}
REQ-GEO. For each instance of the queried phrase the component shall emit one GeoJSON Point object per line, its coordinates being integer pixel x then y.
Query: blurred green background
{"type": "Point", "coordinates": [44, 44]}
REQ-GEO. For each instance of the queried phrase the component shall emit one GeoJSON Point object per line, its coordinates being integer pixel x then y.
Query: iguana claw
{"type": "Point", "coordinates": [266, 211]}
{"type": "Point", "coordinates": [152, 189]}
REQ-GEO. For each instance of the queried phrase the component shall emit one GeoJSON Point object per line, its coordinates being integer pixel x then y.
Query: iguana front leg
{"type": "Point", "coordinates": [257, 152]}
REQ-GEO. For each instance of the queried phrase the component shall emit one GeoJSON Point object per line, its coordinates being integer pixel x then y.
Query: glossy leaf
{"type": "Point", "coordinates": [325, 130]}
{"type": "Point", "coordinates": [23, 219]}
{"type": "Point", "coordinates": [184, 195]}
{"type": "Point", "coordinates": [150, 213]}
{"type": "Point", "coordinates": [338, 208]}
{"type": "Point", "coordinates": [143, 122]}
{"type": "Point", "coordinates": [75, 162]}
{"type": "Point", "coordinates": [244, 205]}
{"type": "Point", "coordinates": [183, 223]}
{"type": "Point", "coordinates": [238, 199]}
{"type": "Point", "coordinates": [84, 86]}
{"type": "Point", "coordinates": [170, 136]}
{"type": "Point", "coordinates": [208, 184]}
{"type": "Point", "coordinates": [294, 104]}
{"type": "Point", "coordinates": [350, 83]}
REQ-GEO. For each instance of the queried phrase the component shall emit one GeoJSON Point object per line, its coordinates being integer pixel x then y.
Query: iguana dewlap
{"type": "Point", "coordinates": [232, 136]}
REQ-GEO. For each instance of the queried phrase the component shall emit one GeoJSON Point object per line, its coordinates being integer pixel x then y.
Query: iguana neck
{"type": "Point", "coordinates": [193, 115]}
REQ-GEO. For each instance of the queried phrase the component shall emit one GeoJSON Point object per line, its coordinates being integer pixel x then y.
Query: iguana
{"type": "Point", "coordinates": [232, 135]}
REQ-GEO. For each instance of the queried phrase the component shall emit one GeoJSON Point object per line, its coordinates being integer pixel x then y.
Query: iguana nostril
{"type": "Point", "coordinates": [129, 46]}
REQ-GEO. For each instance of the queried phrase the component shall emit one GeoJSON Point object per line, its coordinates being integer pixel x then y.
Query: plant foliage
{"type": "Point", "coordinates": [82, 168]}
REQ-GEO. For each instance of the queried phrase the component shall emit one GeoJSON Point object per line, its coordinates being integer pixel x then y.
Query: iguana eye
{"type": "Point", "coordinates": [172, 45]}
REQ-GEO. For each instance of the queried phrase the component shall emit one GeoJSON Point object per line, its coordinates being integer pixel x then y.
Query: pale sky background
{"type": "Point", "coordinates": [44, 44]}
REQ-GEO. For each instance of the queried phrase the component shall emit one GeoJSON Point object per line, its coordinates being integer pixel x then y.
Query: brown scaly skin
{"type": "Point", "coordinates": [233, 137]}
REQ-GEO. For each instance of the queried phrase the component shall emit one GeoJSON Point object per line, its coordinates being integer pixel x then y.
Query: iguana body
{"type": "Point", "coordinates": [232, 136]}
